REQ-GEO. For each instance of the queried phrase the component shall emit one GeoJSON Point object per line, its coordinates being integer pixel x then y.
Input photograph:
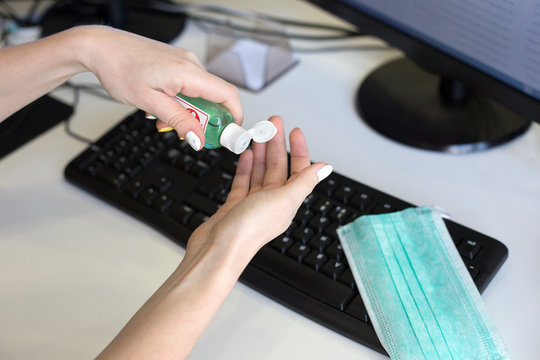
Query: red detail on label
{"type": "Point", "coordinates": [194, 113]}
{"type": "Point", "coordinates": [197, 113]}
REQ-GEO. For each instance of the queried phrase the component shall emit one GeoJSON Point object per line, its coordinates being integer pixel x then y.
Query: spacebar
{"type": "Point", "coordinates": [303, 278]}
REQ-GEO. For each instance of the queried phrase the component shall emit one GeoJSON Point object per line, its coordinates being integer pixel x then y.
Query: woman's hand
{"type": "Point", "coordinates": [147, 74]}
{"type": "Point", "coordinates": [262, 201]}
{"type": "Point", "coordinates": [132, 69]}
{"type": "Point", "coordinates": [261, 204]}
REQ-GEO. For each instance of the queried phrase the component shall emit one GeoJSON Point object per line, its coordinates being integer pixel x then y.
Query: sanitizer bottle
{"type": "Point", "coordinates": [219, 127]}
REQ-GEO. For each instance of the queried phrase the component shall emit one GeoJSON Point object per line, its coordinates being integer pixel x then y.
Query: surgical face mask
{"type": "Point", "coordinates": [420, 297]}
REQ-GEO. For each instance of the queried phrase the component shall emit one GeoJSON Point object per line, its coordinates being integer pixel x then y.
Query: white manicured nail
{"type": "Point", "coordinates": [193, 140]}
{"type": "Point", "coordinates": [324, 172]}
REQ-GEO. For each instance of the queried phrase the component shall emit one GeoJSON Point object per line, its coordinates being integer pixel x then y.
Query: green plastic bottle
{"type": "Point", "coordinates": [213, 117]}
{"type": "Point", "coordinates": [219, 127]}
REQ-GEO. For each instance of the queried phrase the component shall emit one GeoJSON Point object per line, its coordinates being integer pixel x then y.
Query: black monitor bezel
{"type": "Point", "coordinates": [435, 60]}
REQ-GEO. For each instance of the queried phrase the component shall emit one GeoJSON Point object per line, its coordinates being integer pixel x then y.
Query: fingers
{"type": "Point", "coordinates": [299, 151]}
{"type": "Point", "coordinates": [259, 166]}
{"type": "Point", "coordinates": [303, 183]}
{"type": "Point", "coordinates": [276, 157]}
{"type": "Point", "coordinates": [199, 83]}
{"type": "Point", "coordinates": [174, 115]}
{"type": "Point", "coordinates": [241, 182]}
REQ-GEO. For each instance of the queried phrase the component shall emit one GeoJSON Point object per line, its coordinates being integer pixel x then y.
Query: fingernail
{"type": "Point", "coordinates": [324, 172]}
{"type": "Point", "coordinates": [193, 140]}
{"type": "Point", "coordinates": [150, 116]}
{"type": "Point", "coordinates": [165, 129]}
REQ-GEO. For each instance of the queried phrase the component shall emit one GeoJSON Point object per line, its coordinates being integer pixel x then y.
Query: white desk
{"type": "Point", "coordinates": [73, 269]}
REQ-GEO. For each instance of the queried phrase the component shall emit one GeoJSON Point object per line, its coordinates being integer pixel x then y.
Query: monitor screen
{"type": "Point", "coordinates": [471, 79]}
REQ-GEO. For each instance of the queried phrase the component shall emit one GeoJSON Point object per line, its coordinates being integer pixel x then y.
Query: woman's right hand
{"type": "Point", "coordinates": [148, 74]}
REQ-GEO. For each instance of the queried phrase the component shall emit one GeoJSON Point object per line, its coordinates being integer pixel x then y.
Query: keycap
{"type": "Point", "coordinates": [182, 213]}
{"type": "Point", "coordinates": [468, 248]}
{"type": "Point", "coordinates": [304, 278]}
{"type": "Point", "coordinates": [357, 309]}
{"type": "Point", "coordinates": [202, 203]}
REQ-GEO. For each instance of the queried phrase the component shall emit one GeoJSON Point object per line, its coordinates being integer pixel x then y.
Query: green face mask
{"type": "Point", "coordinates": [418, 293]}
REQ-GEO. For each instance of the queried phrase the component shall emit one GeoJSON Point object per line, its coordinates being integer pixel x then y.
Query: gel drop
{"type": "Point", "coordinates": [219, 127]}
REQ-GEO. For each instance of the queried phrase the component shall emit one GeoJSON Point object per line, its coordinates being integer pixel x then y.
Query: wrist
{"type": "Point", "coordinates": [85, 45]}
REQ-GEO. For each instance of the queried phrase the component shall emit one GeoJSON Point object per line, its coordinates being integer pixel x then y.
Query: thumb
{"type": "Point", "coordinates": [173, 114]}
{"type": "Point", "coordinates": [302, 183]}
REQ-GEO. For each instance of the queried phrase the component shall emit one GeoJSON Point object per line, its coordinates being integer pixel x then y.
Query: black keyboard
{"type": "Point", "coordinates": [160, 180]}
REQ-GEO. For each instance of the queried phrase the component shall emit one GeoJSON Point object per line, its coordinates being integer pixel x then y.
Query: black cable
{"type": "Point", "coordinates": [341, 48]}
{"type": "Point", "coordinates": [201, 20]}
{"type": "Point", "coordinates": [189, 9]}
{"type": "Point", "coordinates": [67, 123]}
{"type": "Point", "coordinates": [93, 89]}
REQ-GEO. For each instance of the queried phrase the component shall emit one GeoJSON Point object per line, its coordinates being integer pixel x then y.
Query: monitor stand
{"type": "Point", "coordinates": [134, 16]}
{"type": "Point", "coordinates": [407, 104]}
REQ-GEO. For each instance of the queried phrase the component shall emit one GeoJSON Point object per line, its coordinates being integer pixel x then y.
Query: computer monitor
{"type": "Point", "coordinates": [143, 17]}
{"type": "Point", "coordinates": [471, 76]}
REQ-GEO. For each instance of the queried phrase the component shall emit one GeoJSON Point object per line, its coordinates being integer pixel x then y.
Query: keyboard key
{"type": "Point", "coordinates": [333, 268]}
{"type": "Point", "coordinates": [335, 250]}
{"type": "Point", "coordinates": [315, 260]}
{"type": "Point", "coordinates": [340, 214]}
{"type": "Point", "coordinates": [319, 223]}
{"type": "Point", "coordinates": [343, 194]}
{"type": "Point", "coordinates": [112, 177]}
{"type": "Point", "coordinates": [229, 165]}
{"type": "Point", "coordinates": [147, 195]}
{"type": "Point", "coordinates": [298, 251]}
{"type": "Point", "coordinates": [361, 201]}
{"type": "Point", "coordinates": [473, 270]}
{"type": "Point", "coordinates": [309, 201]}
{"type": "Point", "coordinates": [468, 248]}
{"type": "Point", "coordinates": [162, 203]}
{"type": "Point", "coordinates": [212, 157]}
{"type": "Point", "coordinates": [327, 186]}
{"type": "Point", "coordinates": [162, 184]}
{"type": "Point", "coordinates": [303, 216]}
{"type": "Point", "coordinates": [303, 234]}
{"type": "Point", "coordinates": [202, 203]}
{"type": "Point", "coordinates": [134, 189]}
{"type": "Point", "coordinates": [182, 213]}
{"type": "Point", "coordinates": [323, 206]}
{"type": "Point", "coordinates": [357, 309]}
{"type": "Point", "coordinates": [282, 243]}
{"type": "Point", "coordinates": [383, 208]}
{"type": "Point", "coordinates": [199, 169]}
{"type": "Point", "coordinates": [347, 278]}
{"type": "Point", "coordinates": [197, 220]}
{"type": "Point", "coordinates": [320, 242]}
{"type": "Point", "coordinates": [304, 279]}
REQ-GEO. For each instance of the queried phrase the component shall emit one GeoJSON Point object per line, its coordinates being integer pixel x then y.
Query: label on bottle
{"type": "Point", "coordinates": [195, 111]}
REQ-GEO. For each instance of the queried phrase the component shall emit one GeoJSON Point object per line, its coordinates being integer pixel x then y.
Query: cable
{"type": "Point", "coordinates": [248, 15]}
{"type": "Point", "coordinates": [67, 123]}
{"type": "Point", "coordinates": [93, 89]}
{"type": "Point", "coordinates": [245, 29]}
{"type": "Point", "coordinates": [342, 48]}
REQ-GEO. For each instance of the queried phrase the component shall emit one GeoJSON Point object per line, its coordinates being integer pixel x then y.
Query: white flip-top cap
{"type": "Point", "coordinates": [262, 131]}
{"type": "Point", "coordinates": [236, 138]}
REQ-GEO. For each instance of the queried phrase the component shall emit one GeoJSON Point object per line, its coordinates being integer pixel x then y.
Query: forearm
{"type": "Point", "coordinates": [172, 320]}
{"type": "Point", "coordinates": [31, 70]}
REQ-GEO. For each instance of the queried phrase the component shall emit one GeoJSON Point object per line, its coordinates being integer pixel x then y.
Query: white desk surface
{"type": "Point", "coordinates": [73, 269]}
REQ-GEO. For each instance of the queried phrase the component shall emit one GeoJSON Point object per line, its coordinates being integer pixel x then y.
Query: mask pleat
{"type": "Point", "coordinates": [419, 296]}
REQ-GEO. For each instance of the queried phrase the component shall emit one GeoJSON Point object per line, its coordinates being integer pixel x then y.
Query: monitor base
{"type": "Point", "coordinates": [132, 16]}
{"type": "Point", "coordinates": [407, 104]}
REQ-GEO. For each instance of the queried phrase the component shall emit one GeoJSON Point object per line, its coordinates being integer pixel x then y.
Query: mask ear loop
{"type": "Point", "coordinates": [441, 211]}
